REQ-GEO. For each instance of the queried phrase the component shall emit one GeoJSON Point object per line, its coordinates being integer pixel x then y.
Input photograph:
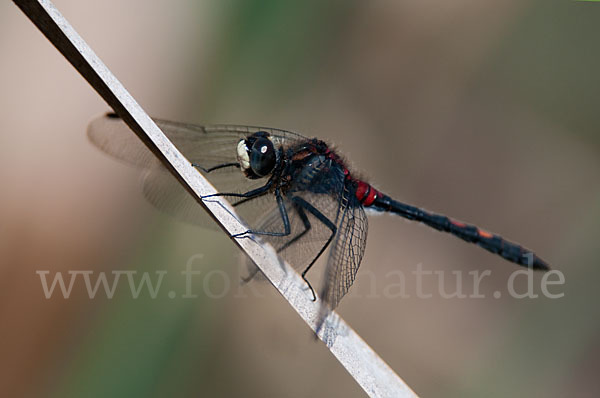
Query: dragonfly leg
{"type": "Point", "coordinates": [284, 218]}
{"type": "Point", "coordinates": [219, 166]}
{"type": "Point", "coordinates": [244, 200]}
{"type": "Point", "coordinates": [251, 275]}
{"type": "Point", "coordinates": [301, 206]}
{"type": "Point", "coordinates": [305, 222]}
{"type": "Point", "coordinates": [247, 195]}
{"type": "Point", "coordinates": [307, 227]}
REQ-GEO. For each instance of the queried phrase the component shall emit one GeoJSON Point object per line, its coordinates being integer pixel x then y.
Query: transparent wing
{"type": "Point", "coordinates": [115, 138]}
{"type": "Point", "coordinates": [165, 192]}
{"type": "Point", "coordinates": [347, 250]}
{"type": "Point", "coordinates": [207, 146]}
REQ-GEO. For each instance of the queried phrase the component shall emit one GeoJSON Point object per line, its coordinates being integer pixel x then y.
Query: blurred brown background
{"type": "Point", "coordinates": [485, 111]}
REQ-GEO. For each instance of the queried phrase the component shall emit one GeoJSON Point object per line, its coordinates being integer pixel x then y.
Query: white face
{"type": "Point", "coordinates": [242, 155]}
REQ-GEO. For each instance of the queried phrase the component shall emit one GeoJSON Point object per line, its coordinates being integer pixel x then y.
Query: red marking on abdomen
{"type": "Point", "coordinates": [484, 234]}
{"type": "Point", "coordinates": [366, 194]}
{"type": "Point", "coordinates": [458, 223]}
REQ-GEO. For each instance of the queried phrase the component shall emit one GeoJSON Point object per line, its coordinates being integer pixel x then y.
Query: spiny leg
{"type": "Point", "coordinates": [284, 218]}
{"type": "Point", "coordinates": [305, 222]}
{"type": "Point", "coordinates": [248, 195]}
{"type": "Point", "coordinates": [254, 193]}
{"type": "Point", "coordinates": [307, 227]}
{"type": "Point", "coordinates": [217, 167]}
{"type": "Point", "coordinates": [303, 204]}
{"type": "Point", "coordinates": [244, 200]}
{"type": "Point", "coordinates": [300, 205]}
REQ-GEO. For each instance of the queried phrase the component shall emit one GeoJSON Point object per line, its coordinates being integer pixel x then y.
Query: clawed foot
{"type": "Point", "coordinates": [308, 286]}
{"type": "Point", "coordinates": [245, 234]}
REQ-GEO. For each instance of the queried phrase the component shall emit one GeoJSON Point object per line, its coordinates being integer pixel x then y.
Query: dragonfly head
{"type": "Point", "coordinates": [257, 155]}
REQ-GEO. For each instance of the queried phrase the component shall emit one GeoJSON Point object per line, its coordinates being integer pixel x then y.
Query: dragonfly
{"type": "Point", "coordinates": [294, 192]}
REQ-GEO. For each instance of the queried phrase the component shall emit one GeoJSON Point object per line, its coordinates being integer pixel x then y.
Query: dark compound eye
{"type": "Point", "coordinates": [262, 157]}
